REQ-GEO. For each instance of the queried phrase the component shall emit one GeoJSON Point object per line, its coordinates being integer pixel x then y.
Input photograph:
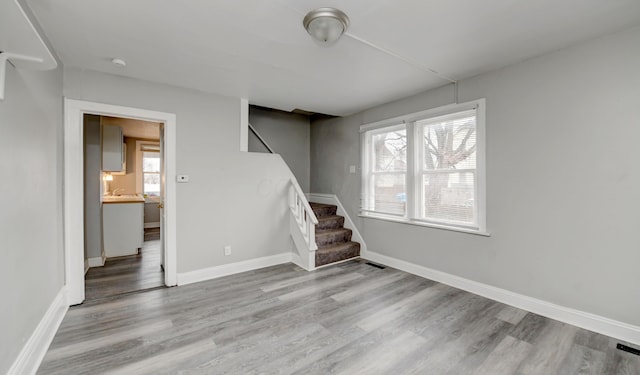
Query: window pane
{"type": "Point", "coordinates": [389, 193]}
{"type": "Point", "coordinates": [151, 162]}
{"type": "Point", "coordinates": [449, 197]}
{"type": "Point", "coordinates": [450, 144]}
{"type": "Point", "coordinates": [151, 184]}
{"type": "Point", "coordinates": [389, 151]}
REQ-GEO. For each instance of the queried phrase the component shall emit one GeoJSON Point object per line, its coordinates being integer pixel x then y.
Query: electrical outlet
{"type": "Point", "coordinates": [227, 250]}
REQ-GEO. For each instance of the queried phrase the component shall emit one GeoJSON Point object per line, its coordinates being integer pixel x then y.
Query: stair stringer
{"type": "Point", "coordinates": [348, 223]}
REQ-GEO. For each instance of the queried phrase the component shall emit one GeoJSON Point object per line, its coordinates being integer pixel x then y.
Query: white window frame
{"type": "Point", "coordinates": [140, 145]}
{"type": "Point", "coordinates": [146, 173]}
{"type": "Point", "coordinates": [367, 177]}
{"type": "Point", "coordinates": [415, 171]}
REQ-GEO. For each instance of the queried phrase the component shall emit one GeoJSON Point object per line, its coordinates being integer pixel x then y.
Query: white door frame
{"type": "Point", "coordinates": [74, 111]}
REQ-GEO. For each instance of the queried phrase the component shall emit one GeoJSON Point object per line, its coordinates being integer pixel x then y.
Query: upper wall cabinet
{"type": "Point", "coordinates": [112, 150]}
{"type": "Point", "coordinates": [123, 171]}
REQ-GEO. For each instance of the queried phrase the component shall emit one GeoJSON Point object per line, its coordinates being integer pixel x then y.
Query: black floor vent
{"type": "Point", "coordinates": [376, 265]}
{"type": "Point", "coordinates": [628, 349]}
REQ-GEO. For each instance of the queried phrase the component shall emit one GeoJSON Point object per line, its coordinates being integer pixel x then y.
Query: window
{"type": "Point", "coordinates": [151, 173]}
{"type": "Point", "coordinates": [387, 156]}
{"type": "Point", "coordinates": [427, 168]}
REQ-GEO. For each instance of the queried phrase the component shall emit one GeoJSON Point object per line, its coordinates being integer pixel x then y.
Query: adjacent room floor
{"type": "Point", "coordinates": [129, 273]}
{"type": "Point", "coordinates": [350, 318]}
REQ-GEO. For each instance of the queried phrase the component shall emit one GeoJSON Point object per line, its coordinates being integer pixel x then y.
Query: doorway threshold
{"type": "Point", "coordinates": [114, 297]}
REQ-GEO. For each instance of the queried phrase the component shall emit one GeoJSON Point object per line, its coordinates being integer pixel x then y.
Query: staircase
{"type": "Point", "coordinates": [333, 239]}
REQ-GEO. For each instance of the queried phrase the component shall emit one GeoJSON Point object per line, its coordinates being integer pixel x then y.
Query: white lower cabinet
{"type": "Point", "coordinates": [123, 228]}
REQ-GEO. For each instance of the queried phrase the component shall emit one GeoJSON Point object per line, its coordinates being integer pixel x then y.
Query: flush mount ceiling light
{"type": "Point", "coordinates": [119, 63]}
{"type": "Point", "coordinates": [326, 25]}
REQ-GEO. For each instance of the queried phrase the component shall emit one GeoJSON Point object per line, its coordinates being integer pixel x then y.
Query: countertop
{"type": "Point", "coordinates": [129, 198]}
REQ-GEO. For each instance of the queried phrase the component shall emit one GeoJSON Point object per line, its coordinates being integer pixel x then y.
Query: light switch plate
{"type": "Point", "coordinates": [352, 169]}
{"type": "Point", "coordinates": [183, 178]}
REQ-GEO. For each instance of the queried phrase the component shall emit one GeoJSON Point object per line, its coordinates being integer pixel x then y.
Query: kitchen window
{"type": "Point", "coordinates": [151, 173]}
{"type": "Point", "coordinates": [427, 168]}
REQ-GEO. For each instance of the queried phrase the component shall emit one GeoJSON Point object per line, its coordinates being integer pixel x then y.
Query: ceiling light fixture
{"type": "Point", "coordinates": [119, 62]}
{"type": "Point", "coordinates": [326, 25]}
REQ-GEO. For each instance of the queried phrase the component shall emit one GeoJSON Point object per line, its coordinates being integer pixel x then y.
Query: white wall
{"type": "Point", "coordinates": [233, 198]}
{"type": "Point", "coordinates": [288, 134]}
{"type": "Point", "coordinates": [31, 270]}
{"type": "Point", "coordinates": [562, 179]}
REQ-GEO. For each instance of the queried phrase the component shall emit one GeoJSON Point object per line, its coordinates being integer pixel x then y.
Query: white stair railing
{"type": "Point", "coordinates": [303, 214]}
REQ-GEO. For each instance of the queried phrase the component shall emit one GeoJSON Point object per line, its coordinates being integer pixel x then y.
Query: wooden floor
{"type": "Point", "coordinates": [126, 274]}
{"type": "Point", "coordinates": [350, 318]}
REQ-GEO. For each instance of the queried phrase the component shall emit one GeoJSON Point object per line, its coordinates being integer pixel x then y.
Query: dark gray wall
{"type": "Point", "coordinates": [31, 270]}
{"type": "Point", "coordinates": [288, 134]}
{"type": "Point", "coordinates": [562, 179]}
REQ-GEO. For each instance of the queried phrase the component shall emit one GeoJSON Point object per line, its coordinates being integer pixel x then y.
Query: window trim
{"type": "Point", "coordinates": [411, 215]}
{"type": "Point", "coordinates": [367, 157]}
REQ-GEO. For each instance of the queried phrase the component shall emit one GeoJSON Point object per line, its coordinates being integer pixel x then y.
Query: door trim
{"type": "Point", "coordinates": [74, 111]}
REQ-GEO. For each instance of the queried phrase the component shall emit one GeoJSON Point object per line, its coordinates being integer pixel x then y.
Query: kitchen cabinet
{"type": "Point", "coordinates": [112, 149]}
{"type": "Point", "coordinates": [123, 225]}
{"type": "Point", "coordinates": [124, 162]}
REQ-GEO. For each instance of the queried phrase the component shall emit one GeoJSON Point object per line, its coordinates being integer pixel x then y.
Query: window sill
{"type": "Point", "coordinates": [424, 224]}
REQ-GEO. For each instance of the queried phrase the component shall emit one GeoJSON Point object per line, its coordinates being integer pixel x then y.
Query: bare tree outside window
{"type": "Point", "coordinates": [449, 169]}
{"type": "Point", "coordinates": [389, 171]}
{"type": "Point", "coordinates": [427, 169]}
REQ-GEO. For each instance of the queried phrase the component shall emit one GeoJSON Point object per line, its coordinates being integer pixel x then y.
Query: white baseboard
{"type": "Point", "coordinates": [591, 322]}
{"type": "Point", "coordinates": [152, 225]}
{"type": "Point", "coordinates": [232, 268]}
{"type": "Point", "coordinates": [348, 223]}
{"type": "Point", "coordinates": [97, 261]}
{"type": "Point", "coordinates": [36, 347]}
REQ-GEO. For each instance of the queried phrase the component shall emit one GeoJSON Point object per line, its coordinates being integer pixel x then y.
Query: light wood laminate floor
{"type": "Point", "coordinates": [350, 318]}
{"type": "Point", "coordinates": [126, 274]}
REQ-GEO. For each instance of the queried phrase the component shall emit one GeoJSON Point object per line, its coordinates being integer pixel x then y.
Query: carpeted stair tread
{"type": "Point", "coordinates": [330, 222]}
{"type": "Point", "coordinates": [321, 209]}
{"type": "Point", "coordinates": [334, 235]}
{"type": "Point", "coordinates": [333, 239]}
{"type": "Point", "coordinates": [337, 252]}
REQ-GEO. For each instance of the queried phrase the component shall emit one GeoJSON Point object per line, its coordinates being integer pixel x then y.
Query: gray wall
{"type": "Point", "coordinates": [233, 198]}
{"type": "Point", "coordinates": [288, 134]}
{"type": "Point", "coordinates": [92, 187]}
{"type": "Point", "coordinates": [31, 270]}
{"type": "Point", "coordinates": [562, 179]}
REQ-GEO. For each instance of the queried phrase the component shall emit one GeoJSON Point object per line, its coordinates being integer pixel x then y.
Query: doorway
{"type": "Point", "coordinates": [75, 111]}
{"type": "Point", "coordinates": [122, 200]}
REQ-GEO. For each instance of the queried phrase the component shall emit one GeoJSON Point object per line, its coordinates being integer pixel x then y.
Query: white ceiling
{"type": "Point", "coordinates": [259, 50]}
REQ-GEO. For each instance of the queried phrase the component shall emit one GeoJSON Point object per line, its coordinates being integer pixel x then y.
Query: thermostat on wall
{"type": "Point", "coordinates": [183, 178]}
